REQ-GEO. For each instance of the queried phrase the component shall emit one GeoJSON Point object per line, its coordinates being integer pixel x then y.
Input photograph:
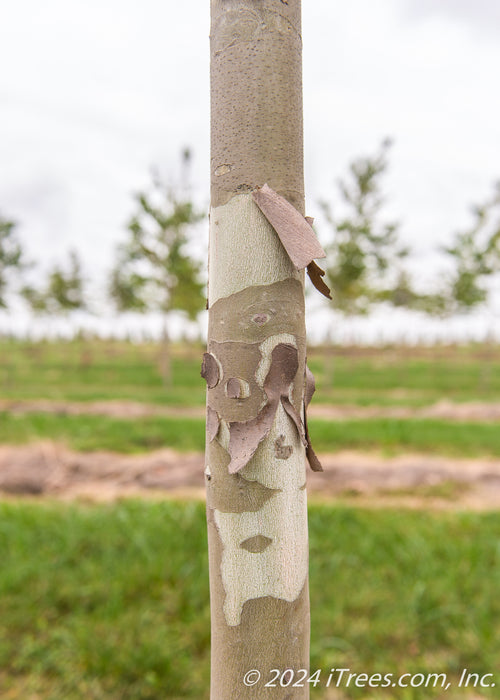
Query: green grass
{"type": "Point", "coordinates": [115, 370]}
{"type": "Point", "coordinates": [398, 377]}
{"type": "Point", "coordinates": [100, 370]}
{"type": "Point", "coordinates": [398, 435]}
{"type": "Point", "coordinates": [90, 433]}
{"type": "Point", "coordinates": [111, 601]}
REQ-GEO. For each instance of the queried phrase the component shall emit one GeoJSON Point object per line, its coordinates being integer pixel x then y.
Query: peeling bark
{"type": "Point", "coordinates": [294, 231]}
{"type": "Point", "coordinates": [309, 389]}
{"type": "Point", "coordinates": [213, 423]}
{"type": "Point", "coordinates": [246, 436]}
{"type": "Point", "coordinates": [316, 275]}
{"type": "Point", "coordinates": [210, 370]}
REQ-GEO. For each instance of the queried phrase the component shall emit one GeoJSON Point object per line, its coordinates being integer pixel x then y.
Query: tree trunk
{"type": "Point", "coordinates": [164, 360]}
{"type": "Point", "coordinates": [255, 365]}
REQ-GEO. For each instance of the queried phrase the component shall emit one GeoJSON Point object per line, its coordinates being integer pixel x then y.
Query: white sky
{"type": "Point", "coordinates": [92, 94]}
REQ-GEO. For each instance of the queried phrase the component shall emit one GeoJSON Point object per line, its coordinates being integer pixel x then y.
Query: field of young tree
{"type": "Point", "coordinates": [165, 537]}
{"type": "Point", "coordinates": [104, 576]}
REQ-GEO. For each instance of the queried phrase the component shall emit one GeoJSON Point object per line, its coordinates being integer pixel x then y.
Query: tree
{"type": "Point", "coordinates": [475, 254]}
{"type": "Point", "coordinates": [11, 257]}
{"type": "Point", "coordinates": [62, 293]}
{"type": "Point", "coordinates": [154, 271]}
{"type": "Point", "coordinates": [364, 264]}
{"type": "Point", "coordinates": [257, 381]}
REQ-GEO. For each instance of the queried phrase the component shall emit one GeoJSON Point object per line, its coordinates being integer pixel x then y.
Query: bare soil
{"type": "Point", "coordinates": [47, 469]}
{"type": "Point", "coordinates": [445, 410]}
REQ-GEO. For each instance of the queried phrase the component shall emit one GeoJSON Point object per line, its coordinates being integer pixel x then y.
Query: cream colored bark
{"type": "Point", "coordinates": [257, 516]}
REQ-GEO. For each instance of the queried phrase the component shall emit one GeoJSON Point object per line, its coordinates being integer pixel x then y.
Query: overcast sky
{"type": "Point", "coordinates": [92, 94]}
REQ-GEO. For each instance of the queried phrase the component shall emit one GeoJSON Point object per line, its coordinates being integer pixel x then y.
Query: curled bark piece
{"type": "Point", "coordinates": [313, 460]}
{"type": "Point", "coordinates": [316, 275]}
{"type": "Point", "coordinates": [284, 366]}
{"type": "Point", "coordinates": [213, 423]}
{"type": "Point", "coordinates": [210, 370]}
{"type": "Point", "coordinates": [295, 233]}
{"type": "Point", "coordinates": [310, 386]}
{"type": "Point", "coordinates": [245, 437]}
{"type": "Point", "coordinates": [237, 388]}
{"type": "Point", "coordinates": [309, 389]}
{"type": "Point", "coordinates": [291, 411]}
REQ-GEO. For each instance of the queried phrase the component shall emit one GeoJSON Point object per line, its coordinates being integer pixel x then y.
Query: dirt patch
{"type": "Point", "coordinates": [112, 409]}
{"type": "Point", "coordinates": [444, 410]}
{"type": "Point", "coordinates": [50, 470]}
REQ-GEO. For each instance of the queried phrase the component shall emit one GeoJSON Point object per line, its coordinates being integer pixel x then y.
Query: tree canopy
{"type": "Point", "coordinates": [154, 270]}
{"type": "Point", "coordinates": [364, 257]}
{"type": "Point", "coordinates": [475, 254]}
{"type": "Point", "coordinates": [62, 292]}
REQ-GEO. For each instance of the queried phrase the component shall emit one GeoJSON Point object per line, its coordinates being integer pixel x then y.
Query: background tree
{"type": "Point", "coordinates": [63, 291]}
{"type": "Point", "coordinates": [475, 254]}
{"type": "Point", "coordinates": [364, 264]}
{"type": "Point", "coordinates": [11, 257]}
{"type": "Point", "coordinates": [154, 270]}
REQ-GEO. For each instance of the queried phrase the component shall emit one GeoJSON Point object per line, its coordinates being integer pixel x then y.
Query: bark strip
{"type": "Point", "coordinates": [294, 231]}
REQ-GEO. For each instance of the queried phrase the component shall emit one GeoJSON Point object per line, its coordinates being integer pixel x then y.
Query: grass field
{"type": "Point", "coordinates": [391, 436]}
{"type": "Point", "coordinates": [98, 370]}
{"type": "Point", "coordinates": [112, 370]}
{"type": "Point", "coordinates": [112, 601]}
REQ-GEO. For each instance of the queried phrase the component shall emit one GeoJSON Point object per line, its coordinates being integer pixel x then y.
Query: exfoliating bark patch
{"type": "Point", "coordinates": [237, 396]}
{"type": "Point", "coordinates": [295, 233]}
{"type": "Point", "coordinates": [245, 437]}
{"type": "Point", "coordinates": [231, 493]}
{"type": "Point", "coordinates": [257, 312]}
{"type": "Point", "coordinates": [316, 275]}
{"type": "Point", "coordinates": [309, 389]}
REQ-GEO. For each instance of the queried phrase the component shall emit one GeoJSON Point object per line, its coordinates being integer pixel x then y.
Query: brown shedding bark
{"type": "Point", "coordinates": [210, 370]}
{"type": "Point", "coordinates": [213, 423]}
{"type": "Point", "coordinates": [245, 437]}
{"type": "Point", "coordinates": [310, 388]}
{"type": "Point", "coordinates": [295, 233]}
{"type": "Point", "coordinates": [251, 316]}
{"type": "Point", "coordinates": [316, 275]}
{"type": "Point", "coordinates": [294, 230]}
